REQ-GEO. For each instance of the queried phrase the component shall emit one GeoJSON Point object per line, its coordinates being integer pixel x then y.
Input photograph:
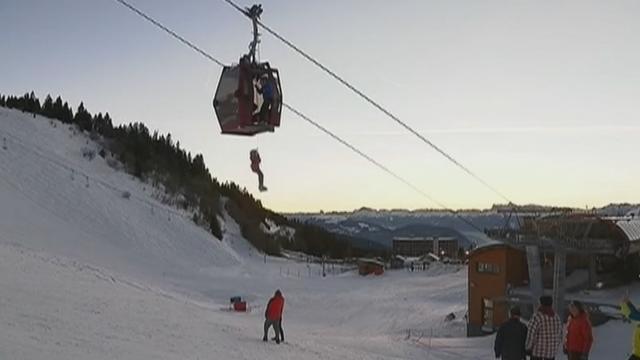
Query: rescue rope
{"type": "Point", "coordinates": [304, 117]}
{"type": "Point", "coordinates": [374, 103]}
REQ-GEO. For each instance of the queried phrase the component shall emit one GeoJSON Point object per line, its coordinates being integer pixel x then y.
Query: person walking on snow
{"type": "Point", "coordinates": [579, 337]}
{"type": "Point", "coordinates": [544, 333]}
{"type": "Point", "coordinates": [511, 337]}
{"type": "Point", "coordinates": [630, 312]}
{"type": "Point", "coordinates": [281, 331]}
{"type": "Point", "coordinates": [273, 316]}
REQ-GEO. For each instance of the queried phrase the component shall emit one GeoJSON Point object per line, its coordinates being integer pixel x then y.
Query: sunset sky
{"type": "Point", "coordinates": [539, 98]}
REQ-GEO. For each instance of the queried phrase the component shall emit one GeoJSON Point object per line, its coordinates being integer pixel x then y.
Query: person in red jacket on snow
{"type": "Point", "coordinates": [273, 315]}
{"type": "Point", "coordinates": [579, 337]}
{"type": "Point", "coordinates": [254, 156]}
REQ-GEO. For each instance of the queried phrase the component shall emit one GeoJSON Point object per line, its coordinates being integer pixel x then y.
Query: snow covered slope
{"type": "Point", "coordinates": [54, 199]}
{"type": "Point", "coordinates": [87, 273]}
{"type": "Point", "coordinates": [56, 308]}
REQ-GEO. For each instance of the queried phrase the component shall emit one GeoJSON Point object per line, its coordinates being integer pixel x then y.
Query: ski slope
{"type": "Point", "coordinates": [87, 273]}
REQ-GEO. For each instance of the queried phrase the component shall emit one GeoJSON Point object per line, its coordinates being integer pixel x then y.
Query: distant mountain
{"type": "Point", "coordinates": [372, 231]}
{"type": "Point", "coordinates": [619, 209]}
{"type": "Point", "coordinates": [381, 226]}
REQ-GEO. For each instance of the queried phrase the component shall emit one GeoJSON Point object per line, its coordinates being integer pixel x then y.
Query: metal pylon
{"type": "Point", "coordinates": [535, 272]}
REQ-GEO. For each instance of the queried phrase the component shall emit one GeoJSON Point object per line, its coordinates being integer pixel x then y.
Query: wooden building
{"type": "Point", "coordinates": [492, 270]}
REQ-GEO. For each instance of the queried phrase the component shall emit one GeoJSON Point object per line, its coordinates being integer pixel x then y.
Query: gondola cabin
{"type": "Point", "coordinates": [248, 100]}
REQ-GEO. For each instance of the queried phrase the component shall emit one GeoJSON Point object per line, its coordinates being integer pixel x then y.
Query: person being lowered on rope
{"type": "Point", "coordinates": [254, 156]}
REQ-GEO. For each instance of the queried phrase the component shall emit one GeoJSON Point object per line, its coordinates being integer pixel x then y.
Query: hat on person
{"type": "Point", "coordinates": [546, 300]}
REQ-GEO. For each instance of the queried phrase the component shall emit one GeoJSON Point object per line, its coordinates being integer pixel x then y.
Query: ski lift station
{"type": "Point", "coordinates": [552, 255]}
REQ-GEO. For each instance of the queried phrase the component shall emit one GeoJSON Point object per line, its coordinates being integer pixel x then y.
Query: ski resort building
{"type": "Point", "coordinates": [546, 255]}
{"type": "Point", "coordinates": [492, 271]}
{"type": "Point", "coordinates": [444, 246]}
{"type": "Point", "coordinates": [370, 266]}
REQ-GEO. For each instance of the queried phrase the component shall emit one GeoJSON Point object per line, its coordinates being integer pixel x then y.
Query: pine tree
{"type": "Point", "coordinates": [83, 118]}
{"type": "Point", "coordinates": [108, 126]}
{"type": "Point", "coordinates": [98, 123]}
{"type": "Point", "coordinates": [58, 109]}
{"type": "Point", "coordinates": [47, 107]}
{"type": "Point", "coordinates": [67, 114]}
{"type": "Point", "coordinates": [34, 103]}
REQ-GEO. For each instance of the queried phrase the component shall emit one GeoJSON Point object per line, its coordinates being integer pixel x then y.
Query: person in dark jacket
{"type": "Point", "coordinates": [273, 315]}
{"type": "Point", "coordinates": [511, 337]}
{"type": "Point", "coordinates": [267, 90]}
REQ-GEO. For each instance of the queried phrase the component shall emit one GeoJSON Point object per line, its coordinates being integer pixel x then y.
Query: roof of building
{"type": "Point", "coordinates": [430, 256]}
{"type": "Point", "coordinates": [371, 261]}
{"type": "Point", "coordinates": [634, 213]}
{"type": "Point", "coordinates": [604, 238]}
{"type": "Point", "coordinates": [424, 238]}
{"type": "Point", "coordinates": [491, 246]}
{"type": "Point", "coordinates": [630, 227]}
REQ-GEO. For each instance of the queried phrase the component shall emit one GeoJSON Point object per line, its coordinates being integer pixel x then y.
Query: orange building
{"type": "Point", "coordinates": [370, 266]}
{"type": "Point", "coordinates": [493, 270]}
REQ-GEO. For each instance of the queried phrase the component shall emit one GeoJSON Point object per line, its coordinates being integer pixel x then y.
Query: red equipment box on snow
{"type": "Point", "coordinates": [240, 306]}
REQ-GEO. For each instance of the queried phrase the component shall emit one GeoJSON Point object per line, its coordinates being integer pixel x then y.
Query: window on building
{"type": "Point", "coordinates": [488, 268]}
{"type": "Point", "coordinates": [487, 314]}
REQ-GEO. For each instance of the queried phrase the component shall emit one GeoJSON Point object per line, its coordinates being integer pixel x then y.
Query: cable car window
{"type": "Point", "coordinates": [226, 100]}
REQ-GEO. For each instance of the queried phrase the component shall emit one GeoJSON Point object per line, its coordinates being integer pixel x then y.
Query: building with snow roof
{"type": "Point", "coordinates": [370, 266]}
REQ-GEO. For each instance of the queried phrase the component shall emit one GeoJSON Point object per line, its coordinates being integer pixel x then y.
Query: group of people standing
{"type": "Point", "coordinates": [542, 337]}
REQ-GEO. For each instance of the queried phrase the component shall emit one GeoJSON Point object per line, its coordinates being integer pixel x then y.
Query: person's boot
{"type": "Point", "coordinates": [262, 188]}
{"type": "Point", "coordinates": [265, 339]}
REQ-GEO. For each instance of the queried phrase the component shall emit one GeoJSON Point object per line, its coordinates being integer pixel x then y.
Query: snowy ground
{"type": "Point", "coordinates": [88, 274]}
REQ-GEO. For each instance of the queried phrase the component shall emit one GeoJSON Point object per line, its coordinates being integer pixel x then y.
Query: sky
{"type": "Point", "coordinates": [539, 98]}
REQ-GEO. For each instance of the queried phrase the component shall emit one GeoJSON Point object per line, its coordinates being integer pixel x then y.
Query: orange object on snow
{"type": "Point", "coordinates": [240, 306]}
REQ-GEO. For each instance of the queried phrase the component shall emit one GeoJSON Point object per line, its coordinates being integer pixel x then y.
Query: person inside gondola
{"type": "Point", "coordinates": [254, 156]}
{"type": "Point", "coordinates": [267, 90]}
{"type": "Point", "coordinates": [245, 76]}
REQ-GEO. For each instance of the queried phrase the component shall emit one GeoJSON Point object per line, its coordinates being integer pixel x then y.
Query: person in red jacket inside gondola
{"type": "Point", "coordinates": [273, 315]}
{"type": "Point", "coordinates": [579, 338]}
{"type": "Point", "coordinates": [254, 156]}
